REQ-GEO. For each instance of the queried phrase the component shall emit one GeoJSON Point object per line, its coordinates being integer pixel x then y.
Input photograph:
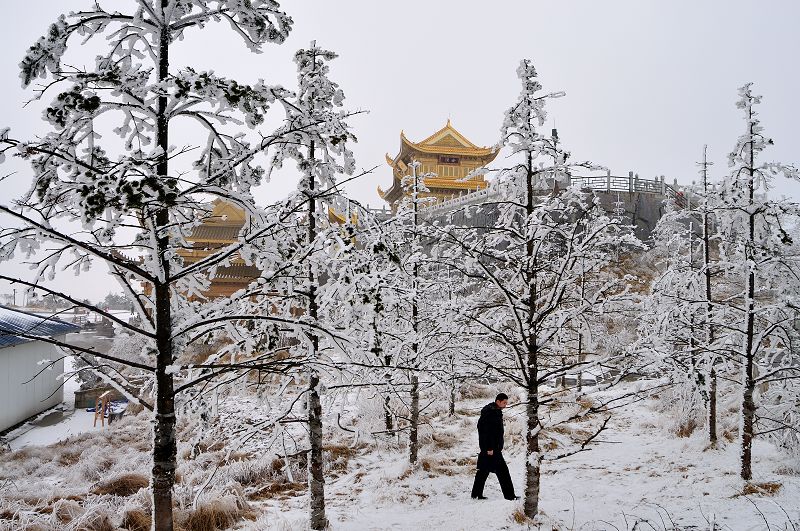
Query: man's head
{"type": "Point", "coordinates": [501, 400]}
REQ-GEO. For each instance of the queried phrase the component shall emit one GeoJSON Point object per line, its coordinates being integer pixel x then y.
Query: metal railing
{"type": "Point", "coordinates": [608, 183]}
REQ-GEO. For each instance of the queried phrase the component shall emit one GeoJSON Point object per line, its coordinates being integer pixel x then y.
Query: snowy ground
{"type": "Point", "coordinates": [639, 470]}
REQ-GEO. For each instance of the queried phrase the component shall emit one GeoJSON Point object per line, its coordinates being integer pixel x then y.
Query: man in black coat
{"type": "Point", "coordinates": [490, 439]}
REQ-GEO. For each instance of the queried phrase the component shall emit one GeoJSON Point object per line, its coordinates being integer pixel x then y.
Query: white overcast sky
{"type": "Point", "coordinates": [648, 83]}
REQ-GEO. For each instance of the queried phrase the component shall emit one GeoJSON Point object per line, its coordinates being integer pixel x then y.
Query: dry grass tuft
{"type": "Point", "coordinates": [769, 488]}
{"type": "Point", "coordinates": [136, 520]}
{"type": "Point", "coordinates": [96, 522]}
{"type": "Point", "coordinates": [445, 441]}
{"type": "Point", "coordinates": [214, 516]}
{"type": "Point", "coordinates": [122, 485]}
{"type": "Point", "coordinates": [69, 457]}
{"type": "Point", "coordinates": [685, 429]}
{"type": "Point", "coordinates": [519, 517]}
{"type": "Point", "coordinates": [203, 447]}
{"type": "Point", "coordinates": [563, 429]}
{"type": "Point", "coordinates": [550, 445]}
{"type": "Point", "coordinates": [20, 455]}
{"type": "Point", "coordinates": [335, 451]}
{"type": "Point", "coordinates": [66, 511]}
{"type": "Point", "coordinates": [447, 467]}
{"type": "Point", "coordinates": [730, 435]}
{"type": "Point", "coordinates": [338, 457]}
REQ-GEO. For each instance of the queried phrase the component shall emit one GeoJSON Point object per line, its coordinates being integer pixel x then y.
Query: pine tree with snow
{"type": "Point", "coordinates": [759, 256]}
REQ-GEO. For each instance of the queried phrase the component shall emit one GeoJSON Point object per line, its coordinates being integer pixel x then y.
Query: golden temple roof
{"type": "Point", "coordinates": [446, 140]}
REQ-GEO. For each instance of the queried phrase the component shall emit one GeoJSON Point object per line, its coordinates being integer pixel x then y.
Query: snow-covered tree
{"type": "Point", "coordinates": [365, 280]}
{"type": "Point", "coordinates": [110, 188]}
{"type": "Point", "coordinates": [760, 258]}
{"type": "Point", "coordinates": [317, 139]}
{"type": "Point", "coordinates": [549, 239]}
{"type": "Point", "coordinates": [686, 327]}
{"type": "Point", "coordinates": [415, 290]}
{"type": "Point", "coordinates": [671, 330]}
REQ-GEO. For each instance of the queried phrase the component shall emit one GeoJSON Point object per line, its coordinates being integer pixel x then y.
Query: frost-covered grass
{"type": "Point", "coordinates": [639, 471]}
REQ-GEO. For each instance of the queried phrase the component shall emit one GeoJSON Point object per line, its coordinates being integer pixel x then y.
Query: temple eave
{"type": "Point", "coordinates": [408, 148]}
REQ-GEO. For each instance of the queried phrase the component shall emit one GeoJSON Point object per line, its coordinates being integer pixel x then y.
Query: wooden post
{"type": "Point", "coordinates": [663, 186]}
{"type": "Point", "coordinates": [630, 182]}
{"type": "Point", "coordinates": [608, 181]}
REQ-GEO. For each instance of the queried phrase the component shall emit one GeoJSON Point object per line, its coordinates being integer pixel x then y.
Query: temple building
{"type": "Point", "coordinates": [446, 153]}
{"type": "Point", "coordinates": [220, 229]}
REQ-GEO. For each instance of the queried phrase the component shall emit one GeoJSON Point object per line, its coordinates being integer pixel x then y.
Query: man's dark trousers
{"type": "Point", "coordinates": [493, 463]}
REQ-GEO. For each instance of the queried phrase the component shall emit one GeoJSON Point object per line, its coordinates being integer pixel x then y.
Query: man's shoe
{"type": "Point", "coordinates": [512, 498]}
{"type": "Point", "coordinates": [481, 497]}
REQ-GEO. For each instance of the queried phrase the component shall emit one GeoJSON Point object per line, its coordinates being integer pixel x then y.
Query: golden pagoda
{"type": "Point", "coordinates": [218, 230]}
{"type": "Point", "coordinates": [446, 153]}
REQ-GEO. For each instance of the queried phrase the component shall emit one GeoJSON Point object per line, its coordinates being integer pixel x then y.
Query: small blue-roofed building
{"type": "Point", "coordinates": [23, 351]}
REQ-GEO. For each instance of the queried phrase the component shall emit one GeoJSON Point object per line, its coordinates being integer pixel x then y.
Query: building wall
{"type": "Point", "coordinates": [18, 364]}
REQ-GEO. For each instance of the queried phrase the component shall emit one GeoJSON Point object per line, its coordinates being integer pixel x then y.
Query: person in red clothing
{"type": "Point", "coordinates": [490, 458]}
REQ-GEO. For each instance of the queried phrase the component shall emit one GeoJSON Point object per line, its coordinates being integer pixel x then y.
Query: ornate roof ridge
{"type": "Point", "coordinates": [453, 131]}
{"type": "Point", "coordinates": [429, 144]}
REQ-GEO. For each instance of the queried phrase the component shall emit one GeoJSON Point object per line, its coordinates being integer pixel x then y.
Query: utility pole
{"type": "Point", "coordinates": [554, 136]}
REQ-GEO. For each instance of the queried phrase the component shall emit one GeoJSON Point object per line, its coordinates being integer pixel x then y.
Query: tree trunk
{"type": "Point", "coordinates": [748, 384]}
{"type": "Point", "coordinates": [532, 457]}
{"type": "Point", "coordinates": [388, 417]}
{"type": "Point", "coordinates": [164, 443]}
{"type": "Point", "coordinates": [580, 355]}
{"type": "Point", "coordinates": [748, 381]}
{"type": "Point", "coordinates": [748, 416]}
{"type": "Point", "coordinates": [377, 350]}
{"type": "Point", "coordinates": [387, 414]}
{"type": "Point", "coordinates": [413, 436]}
{"type": "Point", "coordinates": [452, 409]}
{"type": "Point", "coordinates": [712, 405]}
{"type": "Point", "coordinates": [316, 477]}
{"type": "Point", "coordinates": [712, 373]}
